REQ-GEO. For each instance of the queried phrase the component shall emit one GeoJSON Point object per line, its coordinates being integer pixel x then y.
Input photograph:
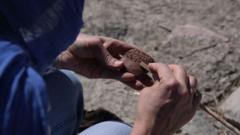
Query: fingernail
{"type": "Point", "coordinates": [118, 62]}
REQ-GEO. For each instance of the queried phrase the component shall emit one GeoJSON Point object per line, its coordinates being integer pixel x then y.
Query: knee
{"type": "Point", "coordinates": [73, 78]}
{"type": "Point", "coordinates": [108, 128]}
{"type": "Point", "coordinates": [116, 127]}
{"type": "Point", "coordinates": [78, 89]}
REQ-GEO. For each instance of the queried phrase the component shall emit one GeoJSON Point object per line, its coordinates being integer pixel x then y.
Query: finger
{"type": "Point", "coordinates": [109, 42]}
{"type": "Point", "coordinates": [129, 79]}
{"type": "Point", "coordinates": [116, 47]}
{"type": "Point", "coordinates": [161, 71]}
{"type": "Point", "coordinates": [117, 75]}
{"type": "Point", "coordinates": [93, 69]}
{"type": "Point", "coordinates": [193, 85]}
{"type": "Point", "coordinates": [196, 100]}
{"type": "Point", "coordinates": [108, 60]}
{"type": "Point", "coordinates": [146, 80]}
{"type": "Point", "coordinates": [135, 84]}
{"type": "Point", "coordinates": [181, 76]}
{"type": "Point", "coordinates": [124, 77]}
{"type": "Point", "coordinates": [193, 82]}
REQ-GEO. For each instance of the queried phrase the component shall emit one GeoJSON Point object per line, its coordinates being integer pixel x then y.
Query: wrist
{"type": "Point", "coordinates": [141, 128]}
{"type": "Point", "coordinates": [149, 127]}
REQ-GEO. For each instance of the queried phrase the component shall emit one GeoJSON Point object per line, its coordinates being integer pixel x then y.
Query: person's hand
{"type": "Point", "coordinates": [167, 105]}
{"type": "Point", "coordinates": [98, 57]}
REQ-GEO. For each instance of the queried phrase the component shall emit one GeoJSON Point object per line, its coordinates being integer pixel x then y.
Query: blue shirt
{"type": "Point", "coordinates": [32, 34]}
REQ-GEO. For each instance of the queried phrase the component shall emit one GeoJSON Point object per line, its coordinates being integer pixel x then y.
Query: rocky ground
{"type": "Point", "coordinates": [202, 35]}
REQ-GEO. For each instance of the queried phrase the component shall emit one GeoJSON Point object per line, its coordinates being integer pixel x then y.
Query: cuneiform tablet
{"type": "Point", "coordinates": [132, 60]}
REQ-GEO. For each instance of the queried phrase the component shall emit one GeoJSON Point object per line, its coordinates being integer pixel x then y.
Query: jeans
{"type": "Point", "coordinates": [65, 113]}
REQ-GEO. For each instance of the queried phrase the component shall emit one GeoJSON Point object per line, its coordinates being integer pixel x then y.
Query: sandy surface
{"type": "Point", "coordinates": [203, 35]}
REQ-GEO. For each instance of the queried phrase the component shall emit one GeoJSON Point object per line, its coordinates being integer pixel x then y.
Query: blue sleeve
{"type": "Point", "coordinates": [22, 93]}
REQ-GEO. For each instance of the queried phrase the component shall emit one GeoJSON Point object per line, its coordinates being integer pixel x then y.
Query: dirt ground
{"type": "Point", "coordinates": [202, 35]}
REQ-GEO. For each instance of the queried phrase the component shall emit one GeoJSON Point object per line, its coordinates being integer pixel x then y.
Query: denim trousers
{"type": "Point", "coordinates": [65, 94]}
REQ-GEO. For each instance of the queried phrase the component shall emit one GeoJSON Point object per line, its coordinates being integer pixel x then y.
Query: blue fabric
{"type": "Point", "coordinates": [66, 107]}
{"type": "Point", "coordinates": [46, 26]}
{"type": "Point", "coordinates": [32, 34]}
{"type": "Point", "coordinates": [22, 94]}
{"type": "Point", "coordinates": [108, 128]}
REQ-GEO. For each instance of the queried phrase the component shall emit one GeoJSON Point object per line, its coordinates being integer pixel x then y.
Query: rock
{"type": "Point", "coordinates": [209, 48]}
{"type": "Point", "coordinates": [205, 54]}
{"type": "Point", "coordinates": [201, 124]}
{"type": "Point", "coordinates": [110, 95]}
{"type": "Point", "coordinates": [231, 108]}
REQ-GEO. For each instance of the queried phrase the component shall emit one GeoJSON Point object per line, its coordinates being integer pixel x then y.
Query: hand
{"type": "Point", "coordinates": [168, 104]}
{"type": "Point", "coordinates": [98, 57]}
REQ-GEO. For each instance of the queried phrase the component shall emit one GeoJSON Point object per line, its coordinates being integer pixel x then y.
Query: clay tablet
{"type": "Point", "coordinates": [132, 60]}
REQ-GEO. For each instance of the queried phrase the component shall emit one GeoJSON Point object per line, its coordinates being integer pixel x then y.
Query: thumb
{"type": "Point", "coordinates": [109, 61]}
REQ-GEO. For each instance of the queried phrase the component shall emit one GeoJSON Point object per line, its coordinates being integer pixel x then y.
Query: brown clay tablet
{"type": "Point", "coordinates": [138, 56]}
{"type": "Point", "coordinates": [132, 60]}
